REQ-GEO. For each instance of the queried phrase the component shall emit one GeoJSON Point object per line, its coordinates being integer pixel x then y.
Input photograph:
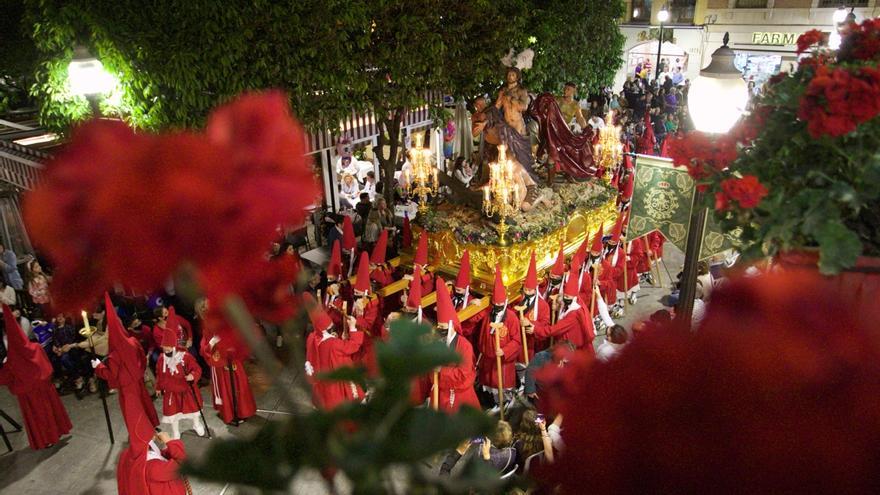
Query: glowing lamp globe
{"type": "Point", "coordinates": [86, 75]}
{"type": "Point", "coordinates": [718, 97]}
{"type": "Point", "coordinates": [663, 15]}
{"type": "Point", "coordinates": [839, 15]}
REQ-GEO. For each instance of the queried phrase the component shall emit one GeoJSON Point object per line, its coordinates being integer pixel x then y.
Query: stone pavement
{"type": "Point", "coordinates": [85, 461]}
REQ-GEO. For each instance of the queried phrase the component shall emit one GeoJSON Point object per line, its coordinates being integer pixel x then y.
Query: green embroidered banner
{"type": "Point", "coordinates": [662, 197]}
{"type": "Point", "coordinates": [662, 200]}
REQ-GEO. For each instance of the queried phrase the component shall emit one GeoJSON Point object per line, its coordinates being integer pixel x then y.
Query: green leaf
{"type": "Point", "coordinates": [839, 247]}
{"type": "Point", "coordinates": [411, 352]}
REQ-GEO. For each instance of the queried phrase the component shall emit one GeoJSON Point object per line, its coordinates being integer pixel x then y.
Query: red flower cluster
{"type": "Point", "coordinates": [702, 154]}
{"type": "Point", "coordinates": [746, 191]}
{"type": "Point", "coordinates": [860, 41]}
{"type": "Point", "coordinates": [124, 207]}
{"type": "Point", "coordinates": [809, 39]}
{"type": "Point", "coordinates": [837, 100]}
{"type": "Point", "coordinates": [779, 392]}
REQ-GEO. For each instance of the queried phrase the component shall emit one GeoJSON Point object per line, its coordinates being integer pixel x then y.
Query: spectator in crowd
{"type": "Point", "coordinates": [38, 286]}
{"type": "Point", "coordinates": [362, 208]}
{"type": "Point", "coordinates": [615, 339]}
{"type": "Point", "coordinates": [7, 294]}
{"type": "Point", "coordinates": [370, 185]}
{"type": "Point", "coordinates": [9, 265]}
{"type": "Point", "coordinates": [349, 193]}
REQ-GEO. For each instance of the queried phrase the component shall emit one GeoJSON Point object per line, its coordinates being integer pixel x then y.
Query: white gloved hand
{"type": "Point", "coordinates": [95, 363]}
{"type": "Point", "coordinates": [213, 341]}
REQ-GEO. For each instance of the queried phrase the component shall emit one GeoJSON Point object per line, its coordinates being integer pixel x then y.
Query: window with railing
{"type": "Point", "coordinates": [838, 3]}
{"type": "Point", "coordinates": [641, 12]}
{"type": "Point", "coordinates": [751, 4]}
{"type": "Point", "coordinates": [682, 11]}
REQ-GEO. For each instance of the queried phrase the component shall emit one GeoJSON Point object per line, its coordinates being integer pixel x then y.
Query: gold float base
{"type": "Point", "coordinates": [445, 252]}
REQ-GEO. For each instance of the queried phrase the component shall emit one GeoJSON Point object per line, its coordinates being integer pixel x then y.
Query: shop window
{"type": "Point", "coordinates": [751, 4]}
{"type": "Point", "coordinates": [838, 3]}
{"type": "Point", "coordinates": [682, 11]}
{"type": "Point", "coordinates": [641, 12]}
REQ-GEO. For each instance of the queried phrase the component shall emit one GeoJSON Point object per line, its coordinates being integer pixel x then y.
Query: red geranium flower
{"type": "Point", "coordinates": [837, 100]}
{"type": "Point", "coordinates": [701, 153]}
{"type": "Point", "coordinates": [810, 38]}
{"type": "Point", "coordinates": [778, 392]}
{"type": "Point", "coordinates": [747, 191]}
{"type": "Point", "coordinates": [860, 41]}
{"type": "Point", "coordinates": [121, 207]}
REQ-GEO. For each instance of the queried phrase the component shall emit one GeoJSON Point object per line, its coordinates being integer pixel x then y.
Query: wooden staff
{"type": "Point", "coordinates": [593, 293]}
{"type": "Point", "coordinates": [523, 329]}
{"type": "Point", "coordinates": [625, 288]}
{"type": "Point", "coordinates": [436, 391]}
{"type": "Point", "coordinates": [499, 369]}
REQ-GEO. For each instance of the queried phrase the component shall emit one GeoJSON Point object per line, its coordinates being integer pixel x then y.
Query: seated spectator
{"type": "Point", "coordinates": [38, 287]}
{"type": "Point", "coordinates": [349, 193]}
{"type": "Point", "coordinates": [7, 293]}
{"type": "Point", "coordinates": [532, 437]}
{"type": "Point", "coordinates": [370, 185]}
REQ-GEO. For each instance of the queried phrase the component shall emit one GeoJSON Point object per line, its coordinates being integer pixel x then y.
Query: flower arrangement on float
{"type": "Point", "coordinates": [801, 171]}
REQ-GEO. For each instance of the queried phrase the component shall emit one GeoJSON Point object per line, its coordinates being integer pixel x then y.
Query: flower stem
{"type": "Point", "coordinates": [237, 313]}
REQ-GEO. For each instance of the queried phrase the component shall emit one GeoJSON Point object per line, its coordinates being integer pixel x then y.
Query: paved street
{"type": "Point", "coordinates": [84, 462]}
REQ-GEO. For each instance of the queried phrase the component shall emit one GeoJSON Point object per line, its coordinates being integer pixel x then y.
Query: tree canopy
{"type": "Point", "coordinates": [176, 60]}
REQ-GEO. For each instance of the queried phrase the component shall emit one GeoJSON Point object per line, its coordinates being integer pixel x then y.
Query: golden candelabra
{"type": "Point", "coordinates": [501, 196]}
{"type": "Point", "coordinates": [608, 151]}
{"type": "Point", "coordinates": [421, 180]}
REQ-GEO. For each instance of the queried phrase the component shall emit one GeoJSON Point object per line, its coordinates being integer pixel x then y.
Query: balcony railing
{"type": "Point", "coordinates": [751, 4]}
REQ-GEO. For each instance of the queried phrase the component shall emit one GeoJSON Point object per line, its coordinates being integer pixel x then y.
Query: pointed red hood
{"type": "Point", "coordinates": [499, 292]}
{"type": "Point", "coordinates": [596, 247]}
{"type": "Point", "coordinates": [320, 319]}
{"type": "Point", "coordinates": [558, 268]}
{"type": "Point", "coordinates": [406, 233]}
{"type": "Point", "coordinates": [421, 256]}
{"type": "Point", "coordinates": [531, 281]}
{"type": "Point", "coordinates": [379, 250]}
{"type": "Point", "coordinates": [170, 334]}
{"type": "Point", "coordinates": [628, 187]}
{"type": "Point", "coordinates": [572, 285]}
{"type": "Point", "coordinates": [349, 242]}
{"type": "Point", "coordinates": [363, 274]}
{"type": "Point", "coordinates": [414, 297]}
{"type": "Point", "coordinates": [26, 360]}
{"type": "Point", "coordinates": [334, 268]}
{"type": "Point", "coordinates": [463, 280]}
{"type": "Point", "coordinates": [127, 348]}
{"type": "Point", "coordinates": [445, 309]}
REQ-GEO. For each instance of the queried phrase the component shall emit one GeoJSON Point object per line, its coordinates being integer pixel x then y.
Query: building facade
{"type": "Point", "coordinates": [763, 33]}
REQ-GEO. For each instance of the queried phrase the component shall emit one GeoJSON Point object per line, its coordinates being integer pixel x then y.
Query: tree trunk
{"type": "Point", "coordinates": [389, 124]}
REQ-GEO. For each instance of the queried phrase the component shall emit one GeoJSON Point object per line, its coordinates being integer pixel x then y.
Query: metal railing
{"type": "Point", "coordinates": [751, 4]}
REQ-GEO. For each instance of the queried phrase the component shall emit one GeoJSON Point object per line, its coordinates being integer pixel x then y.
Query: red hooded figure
{"type": "Point", "coordinates": [456, 382]}
{"type": "Point", "coordinates": [176, 376]}
{"type": "Point", "coordinates": [28, 374]}
{"type": "Point", "coordinates": [535, 310]}
{"type": "Point", "coordinates": [123, 369]}
{"type": "Point", "coordinates": [575, 323]}
{"type": "Point", "coordinates": [230, 391]}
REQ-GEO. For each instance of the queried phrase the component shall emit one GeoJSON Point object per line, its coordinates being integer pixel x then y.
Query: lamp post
{"type": "Point", "coordinates": [662, 16]}
{"type": "Point", "coordinates": [840, 18]}
{"type": "Point", "coordinates": [87, 77]}
{"type": "Point", "coordinates": [716, 100]}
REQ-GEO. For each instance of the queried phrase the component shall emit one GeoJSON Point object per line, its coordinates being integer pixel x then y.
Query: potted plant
{"type": "Point", "coordinates": [800, 173]}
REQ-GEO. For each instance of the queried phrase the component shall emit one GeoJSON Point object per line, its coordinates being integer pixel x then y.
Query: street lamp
{"type": "Point", "coordinates": [840, 18]}
{"type": "Point", "coordinates": [86, 77]}
{"type": "Point", "coordinates": [662, 16]}
{"type": "Point", "coordinates": [719, 95]}
{"type": "Point", "coordinates": [716, 100]}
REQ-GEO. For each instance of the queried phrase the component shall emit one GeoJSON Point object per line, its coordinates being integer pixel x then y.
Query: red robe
{"type": "Point", "coordinates": [576, 326]}
{"type": "Point", "coordinates": [228, 374]}
{"type": "Point", "coordinates": [28, 374]}
{"type": "Point", "coordinates": [639, 254]}
{"type": "Point", "coordinates": [334, 310]}
{"type": "Point", "coordinates": [331, 353]}
{"type": "Point", "coordinates": [372, 326]}
{"type": "Point", "coordinates": [511, 346]}
{"type": "Point", "coordinates": [632, 274]}
{"type": "Point", "coordinates": [541, 322]}
{"type": "Point", "coordinates": [656, 241]}
{"type": "Point", "coordinates": [382, 276]}
{"type": "Point", "coordinates": [179, 396]}
{"type": "Point", "coordinates": [457, 382]}
{"type": "Point", "coordinates": [128, 378]}
{"type": "Point", "coordinates": [162, 477]}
